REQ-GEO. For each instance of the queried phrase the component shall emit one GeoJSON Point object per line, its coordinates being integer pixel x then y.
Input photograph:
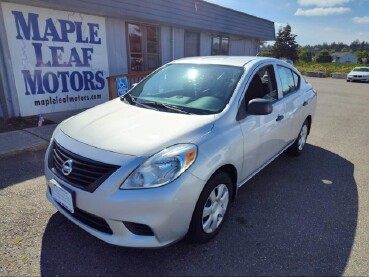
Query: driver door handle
{"type": "Point", "coordinates": [279, 117]}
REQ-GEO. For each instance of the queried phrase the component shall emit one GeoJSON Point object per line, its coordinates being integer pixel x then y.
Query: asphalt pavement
{"type": "Point", "coordinates": [299, 216]}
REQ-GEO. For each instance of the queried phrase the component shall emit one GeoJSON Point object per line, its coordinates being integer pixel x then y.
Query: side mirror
{"type": "Point", "coordinates": [259, 106]}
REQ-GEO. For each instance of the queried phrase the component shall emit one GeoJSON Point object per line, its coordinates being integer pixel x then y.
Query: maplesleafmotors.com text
{"type": "Point", "coordinates": [66, 99]}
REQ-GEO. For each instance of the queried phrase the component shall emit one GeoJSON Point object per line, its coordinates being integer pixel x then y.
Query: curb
{"type": "Point", "coordinates": [336, 75]}
{"type": "Point", "coordinates": [27, 140]}
{"type": "Point", "coordinates": [318, 74]}
{"type": "Point", "coordinates": [16, 152]}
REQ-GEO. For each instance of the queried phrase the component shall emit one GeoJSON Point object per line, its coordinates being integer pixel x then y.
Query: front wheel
{"type": "Point", "coordinates": [211, 208]}
{"type": "Point", "coordinates": [297, 147]}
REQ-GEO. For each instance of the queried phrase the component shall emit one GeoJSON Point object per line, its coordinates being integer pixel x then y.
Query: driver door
{"type": "Point", "coordinates": [263, 135]}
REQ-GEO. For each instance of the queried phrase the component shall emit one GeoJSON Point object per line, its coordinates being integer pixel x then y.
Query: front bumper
{"type": "Point", "coordinates": [166, 210]}
{"type": "Point", "coordinates": [358, 78]}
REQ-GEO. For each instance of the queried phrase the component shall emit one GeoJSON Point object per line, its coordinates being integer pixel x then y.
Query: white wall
{"type": "Point", "coordinates": [205, 44]}
{"type": "Point", "coordinates": [166, 44]}
{"type": "Point", "coordinates": [117, 46]}
{"type": "Point", "coordinates": [243, 47]}
{"type": "Point", "coordinates": [349, 58]}
{"type": "Point", "coordinates": [178, 40]}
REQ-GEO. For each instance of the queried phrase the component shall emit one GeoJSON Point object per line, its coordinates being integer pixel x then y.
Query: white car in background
{"type": "Point", "coordinates": [167, 158]}
{"type": "Point", "coordinates": [358, 74]}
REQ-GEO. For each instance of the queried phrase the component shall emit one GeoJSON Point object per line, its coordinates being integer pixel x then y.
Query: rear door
{"type": "Point", "coordinates": [293, 99]}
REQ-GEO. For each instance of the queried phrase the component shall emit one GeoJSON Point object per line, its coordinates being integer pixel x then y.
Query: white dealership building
{"type": "Point", "coordinates": [57, 55]}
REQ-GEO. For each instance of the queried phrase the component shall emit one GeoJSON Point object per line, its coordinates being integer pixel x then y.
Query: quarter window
{"type": "Point", "coordinates": [220, 45]}
{"type": "Point", "coordinates": [143, 47]}
{"type": "Point", "coordinates": [290, 80]}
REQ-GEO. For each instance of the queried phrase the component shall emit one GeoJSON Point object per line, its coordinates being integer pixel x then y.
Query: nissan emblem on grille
{"type": "Point", "coordinates": [67, 167]}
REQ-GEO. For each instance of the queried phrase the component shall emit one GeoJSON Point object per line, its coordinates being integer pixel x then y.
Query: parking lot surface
{"type": "Point", "coordinates": [299, 216]}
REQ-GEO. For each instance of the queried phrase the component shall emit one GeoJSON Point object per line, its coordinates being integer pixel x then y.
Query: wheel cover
{"type": "Point", "coordinates": [303, 137]}
{"type": "Point", "coordinates": [215, 208]}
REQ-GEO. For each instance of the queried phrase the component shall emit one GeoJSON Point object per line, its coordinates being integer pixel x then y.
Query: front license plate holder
{"type": "Point", "coordinates": [62, 195]}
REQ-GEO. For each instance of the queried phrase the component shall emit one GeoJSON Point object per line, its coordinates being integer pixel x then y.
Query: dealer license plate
{"type": "Point", "coordinates": [62, 196]}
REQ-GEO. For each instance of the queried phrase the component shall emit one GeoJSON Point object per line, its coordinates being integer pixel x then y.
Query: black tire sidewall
{"type": "Point", "coordinates": [196, 232]}
{"type": "Point", "coordinates": [294, 149]}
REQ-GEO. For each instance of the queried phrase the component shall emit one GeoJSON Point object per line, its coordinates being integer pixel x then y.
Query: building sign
{"type": "Point", "coordinates": [121, 85]}
{"type": "Point", "coordinates": [59, 59]}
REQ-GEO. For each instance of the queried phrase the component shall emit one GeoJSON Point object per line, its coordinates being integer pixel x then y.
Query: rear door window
{"type": "Point", "coordinates": [290, 81]}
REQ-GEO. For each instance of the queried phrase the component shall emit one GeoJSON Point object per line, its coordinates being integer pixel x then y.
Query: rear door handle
{"type": "Point", "coordinates": [305, 103]}
{"type": "Point", "coordinates": [279, 117]}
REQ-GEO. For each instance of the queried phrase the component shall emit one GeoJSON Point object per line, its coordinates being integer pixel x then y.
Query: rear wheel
{"type": "Point", "coordinates": [299, 144]}
{"type": "Point", "coordinates": [211, 208]}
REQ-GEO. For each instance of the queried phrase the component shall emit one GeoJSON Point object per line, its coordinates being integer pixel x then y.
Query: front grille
{"type": "Point", "coordinates": [91, 220]}
{"type": "Point", "coordinates": [86, 174]}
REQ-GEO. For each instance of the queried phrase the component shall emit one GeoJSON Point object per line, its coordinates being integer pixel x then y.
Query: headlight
{"type": "Point", "coordinates": [162, 168]}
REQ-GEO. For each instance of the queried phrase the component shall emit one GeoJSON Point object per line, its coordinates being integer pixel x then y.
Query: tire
{"type": "Point", "coordinates": [213, 203]}
{"type": "Point", "coordinates": [298, 146]}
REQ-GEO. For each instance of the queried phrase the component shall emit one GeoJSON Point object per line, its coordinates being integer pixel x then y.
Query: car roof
{"type": "Point", "coordinates": [224, 60]}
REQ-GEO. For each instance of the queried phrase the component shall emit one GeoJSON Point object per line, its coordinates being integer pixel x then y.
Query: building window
{"type": "Point", "coordinates": [144, 47]}
{"type": "Point", "coordinates": [220, 45]}
{"type": "Point", "coordinates": [191, 44]}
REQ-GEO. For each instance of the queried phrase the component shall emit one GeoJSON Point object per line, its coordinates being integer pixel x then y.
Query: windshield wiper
{"type": "Point", "coordinates": [131, 100]}
{"type": "Point", "coordinates": [165, 106]}
{"type": "Point", "coordinates": [153, 105]}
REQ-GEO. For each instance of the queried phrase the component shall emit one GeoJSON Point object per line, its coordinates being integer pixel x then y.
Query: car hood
{"type": "Point", "coordinates": [122, 128]}
{"type": "Point", "coordinates": [363, 73]}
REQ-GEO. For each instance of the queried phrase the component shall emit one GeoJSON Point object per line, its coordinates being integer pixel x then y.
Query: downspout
{"type": "Point", "coordinates": [172, 43]}
{"type": "Point", "coordinates": [257, 47]}
{"type": "Point", "coordinates": [6, 100]}
{"type": "Point", "coordinates": [4, 108]}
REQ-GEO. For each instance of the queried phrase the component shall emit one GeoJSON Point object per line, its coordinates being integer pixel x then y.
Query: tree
{"type": "Point", "coordinates": [323, 56]}
{"type": "Point", "coordinates": [356, 45]}
{"type": "Point", "coordinates": [305, 56]}
{"type": "Point", "coordinates": [344, 50]}
{"type": "Point", "coordinates": [285, 45]}
{"type": "Point", "coordinates": [265, 53]}
{"type": "Point", "coordinates": [362, 56]}
{"type": "Point", "coordinates": [340, 46]}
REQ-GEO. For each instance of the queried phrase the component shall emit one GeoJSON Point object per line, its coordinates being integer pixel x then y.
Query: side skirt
{"type": "Point", "coordinates": [264, 165]}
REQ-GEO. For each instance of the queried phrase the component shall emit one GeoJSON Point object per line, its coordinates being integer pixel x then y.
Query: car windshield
{"type": "Point", "coordinates": [188, 88]}
{"type": "Point", "coordinates": [361, 69]}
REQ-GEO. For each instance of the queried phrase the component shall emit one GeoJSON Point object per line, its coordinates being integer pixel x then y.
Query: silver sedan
{"type": "Point", "coordinates": [167, 158]}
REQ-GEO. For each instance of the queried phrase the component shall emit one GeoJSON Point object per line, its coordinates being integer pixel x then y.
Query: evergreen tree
{"type": "Point", "coordinates": [323, 56]}
{"type": "Point", "coordinates": [356, 45]}
{"type": "Point", "coordinates": [305, 56]}
{"type": "Point", "coordinates": [285, 45]}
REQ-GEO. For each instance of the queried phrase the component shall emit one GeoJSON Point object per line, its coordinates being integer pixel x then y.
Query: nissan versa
{"type": "Point", "coordinates": [167, 158]}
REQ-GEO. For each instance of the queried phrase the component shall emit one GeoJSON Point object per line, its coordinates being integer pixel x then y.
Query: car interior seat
{"type": "Point", "coordinates": [255, 90]}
